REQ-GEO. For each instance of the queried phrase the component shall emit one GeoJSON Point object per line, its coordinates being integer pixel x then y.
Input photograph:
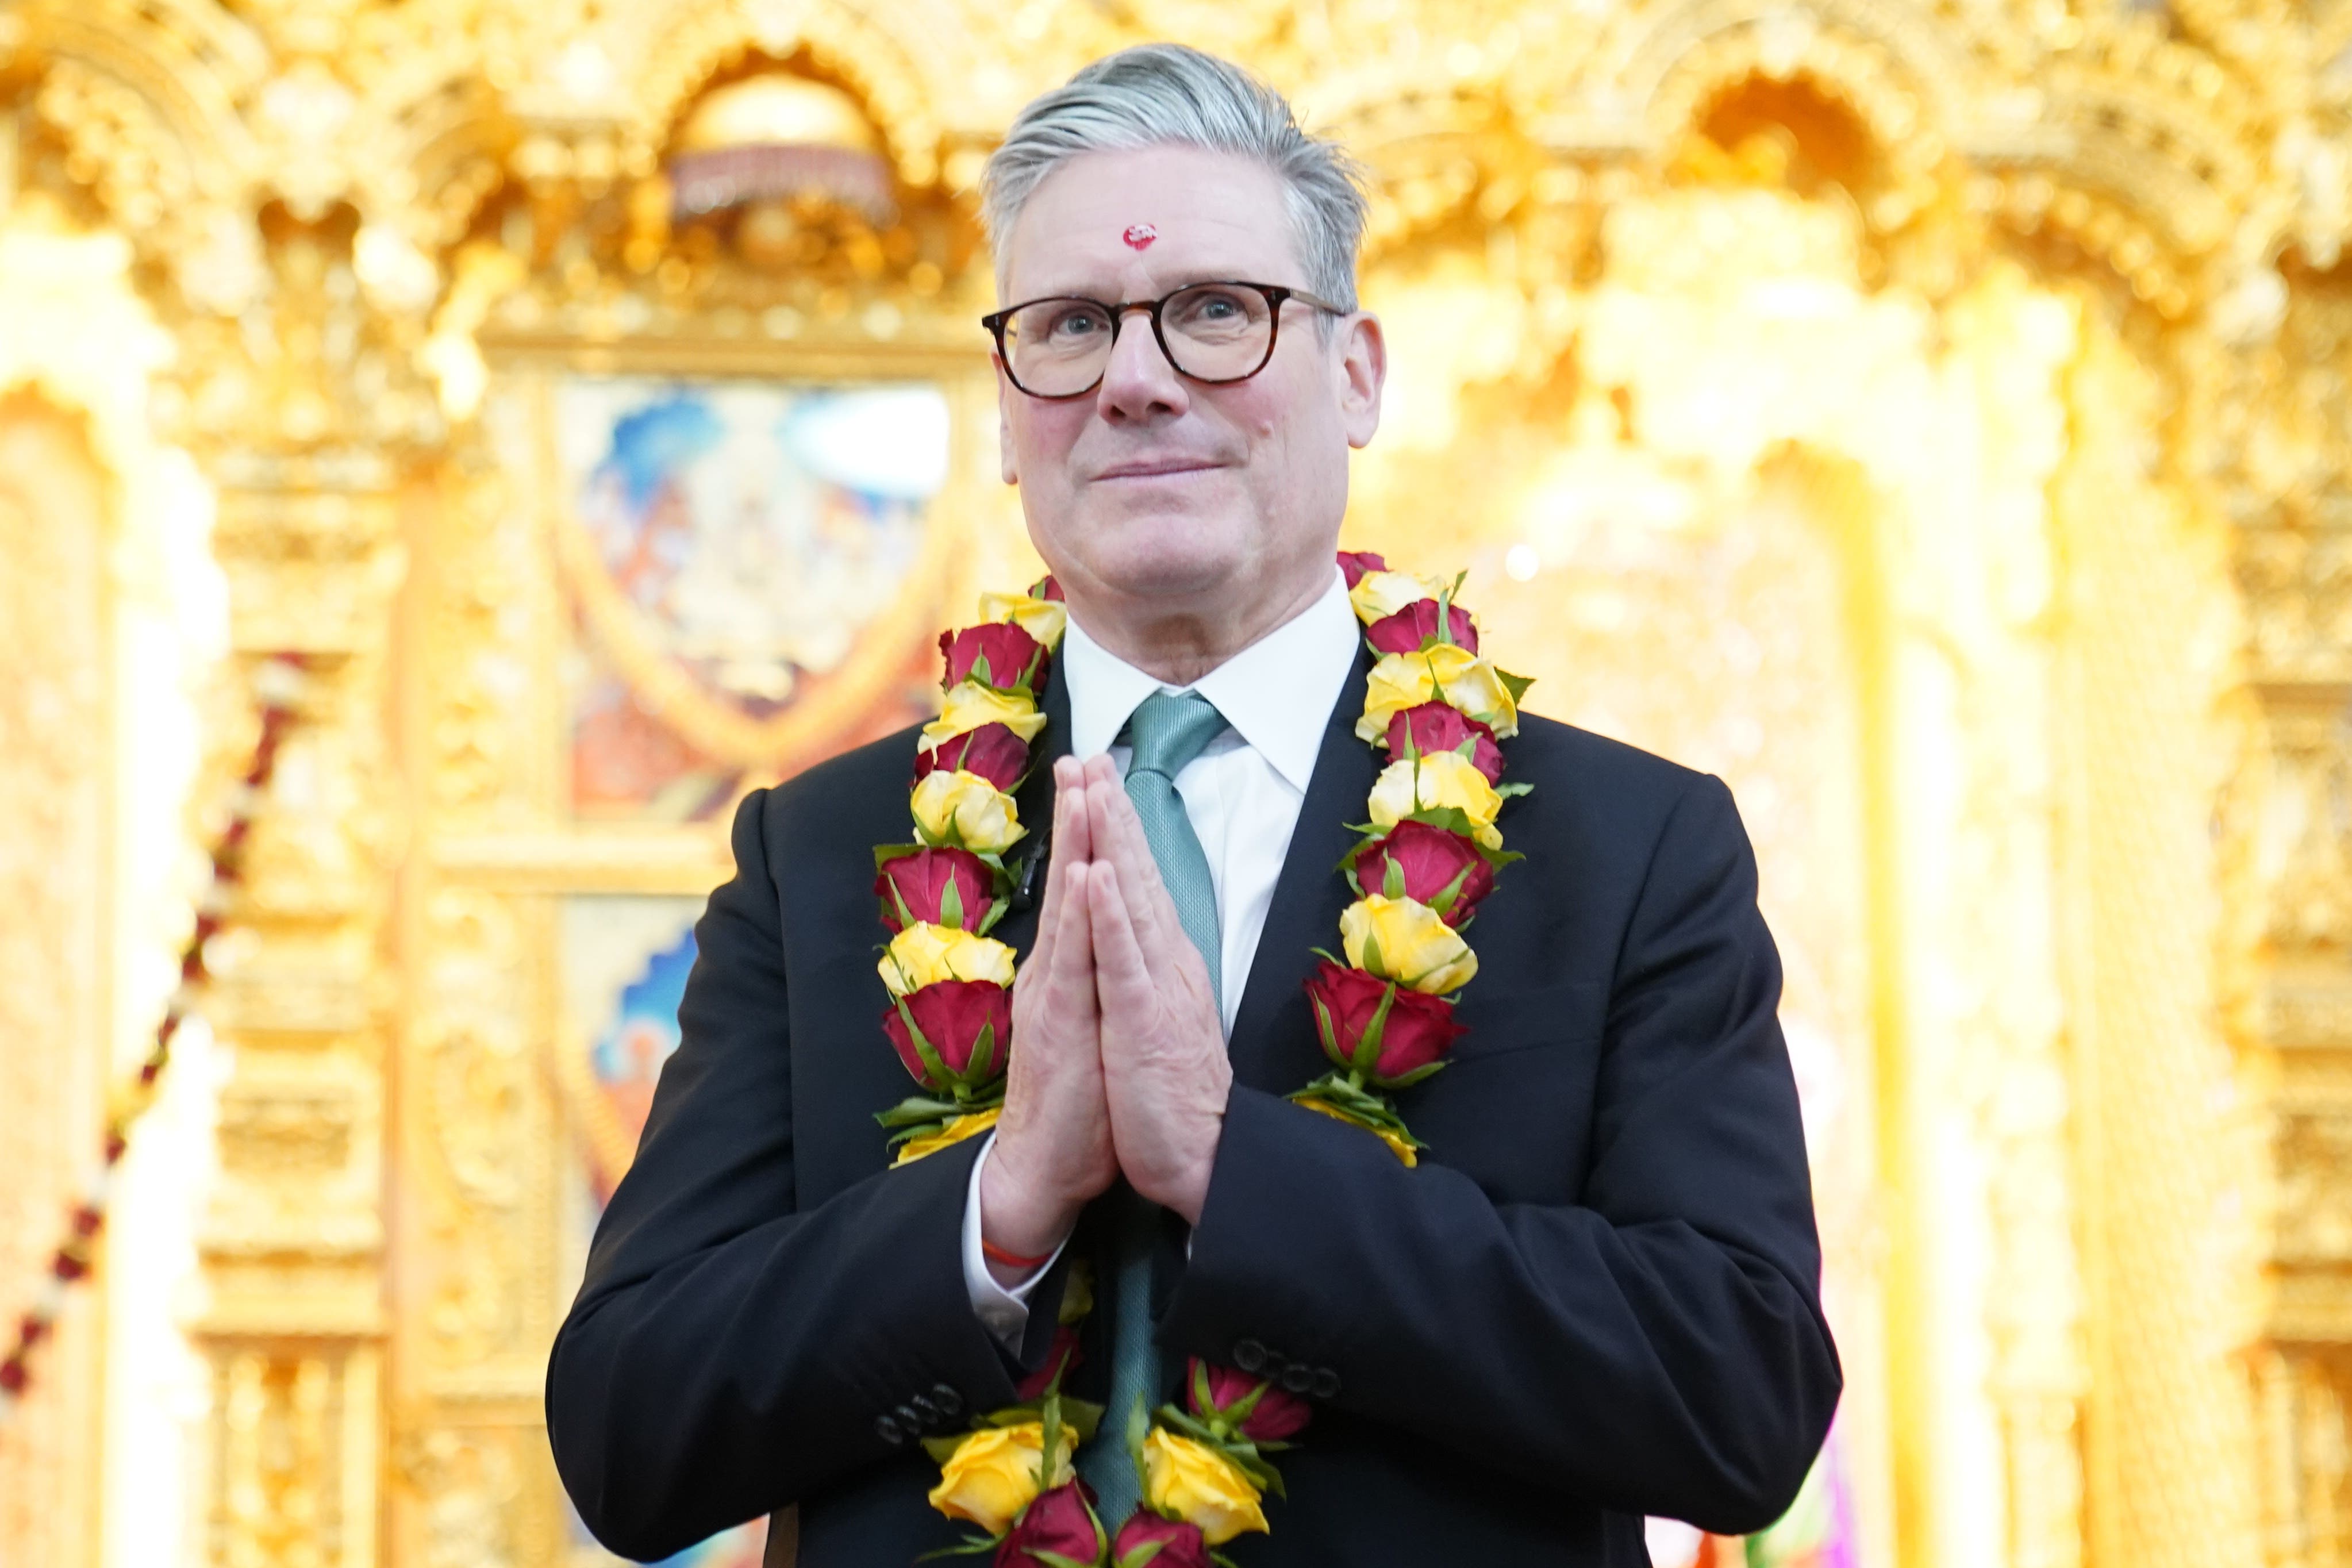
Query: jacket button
{"type": "Point", "coordinates": [950, 1402]}
{"type": "Point", "coordinates": [922, 1411]}
{"type": "Point", "coordinates": [889, 1432]}
{"type": "Point", "coordinates": [1297, 1378]}
{"type": "Point", "coordinates": [1250, 1356]}
{"type": "Point", "coordinates": [1327, 1383]}
{"type": "Point", "coordinates": [910, 1418]}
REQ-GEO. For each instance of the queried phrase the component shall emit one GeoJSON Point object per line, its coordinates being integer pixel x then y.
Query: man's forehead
{"type": "Point", "coordinates": [1106, 221]}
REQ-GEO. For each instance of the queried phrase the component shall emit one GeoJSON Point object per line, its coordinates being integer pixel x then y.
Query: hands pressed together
{"type": "Point", "coordinates": [1118, 1060]}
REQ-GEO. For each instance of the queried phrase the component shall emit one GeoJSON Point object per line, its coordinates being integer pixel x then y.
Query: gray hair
{"type": "Point", "coordinates": [1156, 94]}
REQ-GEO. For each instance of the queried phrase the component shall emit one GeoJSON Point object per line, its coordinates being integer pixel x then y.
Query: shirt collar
{"type": "Point", "coordinates": [1277, 693]}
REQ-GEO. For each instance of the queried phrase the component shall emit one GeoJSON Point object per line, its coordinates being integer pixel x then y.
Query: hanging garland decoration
{"type": "Point", "coordinates": [1385, 1020]}
{"type": "Point", "coordinates": [279, 681]}
{"type": "Point", "coordinates": [950, 1013]}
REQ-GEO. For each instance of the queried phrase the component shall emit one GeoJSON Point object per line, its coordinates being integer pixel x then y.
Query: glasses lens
{"type": "Point", "coordinates": [1057, 347]}
{"type": "Point", "coordinates": [1218, 331]}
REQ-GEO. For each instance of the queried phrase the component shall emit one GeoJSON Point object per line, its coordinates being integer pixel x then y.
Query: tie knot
{"type": "Point", "coordinates": [1169, 729]}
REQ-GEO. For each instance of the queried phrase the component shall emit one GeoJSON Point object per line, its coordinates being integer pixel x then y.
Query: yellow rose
{"type": "Point", "coordinates": [955, 1132]}
{"type": "Point", "coordinates": [1439, 780]}
{"type": "Point", "coordinates": [992, 1474]}
{"type": "Point", "coordinates": [1191, 1481]}
{"type": "Point", "coordinates": [1464, 680]}
{"type": "Point", "coordinates": [1379, 594]}
{"type": "Point", "coordinates": [1041, 618]}
{"type": "Point", "coordinates": [1405, 941]}
{"type": "Point", "coordinates": [924, 955]}
{"type": "Point", "coordinates": [970, 705]}
{"type": "Point", "coordinates": [1470, 686]}
{"type": "Point", "coordinates": [952, 806]}
{"type": "Point", "coordinates": [1399, 681]}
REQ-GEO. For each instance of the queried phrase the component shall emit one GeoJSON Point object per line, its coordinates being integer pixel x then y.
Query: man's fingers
{"type": "Point", "coordinates": [1073, 827]}
{"type": "Point", "coordinates": [1119, 834]}
{"type": "Point", "coordinates": [1122, 978]}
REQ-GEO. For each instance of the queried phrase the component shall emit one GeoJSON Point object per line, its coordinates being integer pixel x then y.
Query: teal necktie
{"type": "Point", "coordinates": [1167, 731]}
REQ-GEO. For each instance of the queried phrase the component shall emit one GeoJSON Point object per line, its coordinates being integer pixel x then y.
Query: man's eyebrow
{"type": "Point", "coordinates": [1180, 282]}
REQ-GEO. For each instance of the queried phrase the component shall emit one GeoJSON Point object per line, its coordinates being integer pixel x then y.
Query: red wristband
{"type": "Point", "coordinates": [996, 1254]}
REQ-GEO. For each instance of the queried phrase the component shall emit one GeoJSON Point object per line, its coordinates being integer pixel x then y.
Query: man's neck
{"type": "Point", "coordinates": [1178, 647]}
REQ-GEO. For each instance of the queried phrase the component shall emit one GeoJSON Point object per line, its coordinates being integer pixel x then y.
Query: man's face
{"type": "Point", "coordinates": [1153, 487]}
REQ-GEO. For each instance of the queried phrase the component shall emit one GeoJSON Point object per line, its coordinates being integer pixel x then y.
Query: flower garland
{"type": "Point", "coordinates": [950, 1013]}
{"type": "Point", "coordinates": [281, 685]}
{"type": "Point", "coordinates": [1385, 1018]}
{"type": "Point", "coordinates": [1429, 855]}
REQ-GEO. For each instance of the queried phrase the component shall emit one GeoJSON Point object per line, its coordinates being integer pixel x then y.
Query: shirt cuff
{"type": "Point", "coordinates": [1002, 1312]}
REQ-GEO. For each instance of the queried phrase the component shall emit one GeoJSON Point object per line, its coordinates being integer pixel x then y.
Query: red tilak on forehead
{"type": "Point", "coordinates": [1139, 235]}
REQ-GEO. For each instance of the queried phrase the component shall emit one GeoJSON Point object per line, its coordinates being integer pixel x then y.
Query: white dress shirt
{"type": "Point", "coordinates": [1241, 795]}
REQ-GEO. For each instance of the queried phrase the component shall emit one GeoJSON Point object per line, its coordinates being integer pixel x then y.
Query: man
{"type": "Point", "coordinates": [1595, 1296]}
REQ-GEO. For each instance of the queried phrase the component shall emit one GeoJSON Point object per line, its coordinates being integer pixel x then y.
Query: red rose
{"type": "Point", "coordinates": [1058, 1522]}
{"type": "Point", "coordinates": [1275, 1416]}
{"type": "Point", "coordinates": [1414, 627]}
{"type": "Point", "coordinates": [921, 881]}
{"type": "Point", "coordinates": [1429, 862]}
{"type": "Point", "coordinates": [953, 1014]}
{"type": "Point", "coordinates": [1436, 727]}
{"type": "Point", "coordinates": [1354, 564]}
{"type": "Point", "coordinates": [1061, 1357]}
{"type": "Point", "coordinates": [992, 752]}
{"type": "Point", "coordinates": [1418, 1030]}
{"type": "Point", "coordinates": [1147, 1541]}
{"type": "Point", "coordinates": [1014, 657]}
{"type": "Point", "coordinates": [1046, 588]}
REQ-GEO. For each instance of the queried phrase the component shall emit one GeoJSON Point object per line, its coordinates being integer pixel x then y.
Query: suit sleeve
{"type": "Point", "coordinates": [1658, 1348]}
{"type": "Point", "coordinates": [729, 1351]}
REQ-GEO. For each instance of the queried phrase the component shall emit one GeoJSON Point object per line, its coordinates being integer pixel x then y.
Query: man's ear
{"type": "Point", "coordinates": [1004, 396]}
{"type": "Point", "coordinates": [1363, 371]}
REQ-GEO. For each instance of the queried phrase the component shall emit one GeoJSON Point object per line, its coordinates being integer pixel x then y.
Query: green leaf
{"type": "Point", "coordinates": [935, 1067]}
{"type": "Point", "coordinates": [1373, 964]}
{"type": "Point", "coordinates": [981, 1066]}
{"type": "Point", "coordinates": [942, 1449]}
{"type": "Point", "coordinates": [1510, 790]}
{"type": "Point", "coordinates": [1393, 883]}
{"type": "Point", "coordinates": [1406, 1080]}
{"type": "Point", "coordinates": [972, 1546]}
{"type": "Point", "coordinates": [1516, 685]}
{"type": "Point", "coordinates": [1143, 1554]}
{"type": "Point", "coordinates": [995, 912]}
{"type": "Point", "coordinates": [1368, 1044]}
{"type": "Point", "coordinates": [980, 671]}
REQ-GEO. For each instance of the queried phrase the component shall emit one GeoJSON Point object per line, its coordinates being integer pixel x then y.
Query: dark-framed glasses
{"type": "Point", "coordinates": [1214, 332]}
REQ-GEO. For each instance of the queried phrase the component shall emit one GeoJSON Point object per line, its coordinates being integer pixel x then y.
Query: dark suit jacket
{"type": "Point", "coordinates": [1595, 1299]}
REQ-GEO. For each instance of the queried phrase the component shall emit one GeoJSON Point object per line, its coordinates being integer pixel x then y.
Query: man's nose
{"type": "Point", "coordinates": [1139, 379]}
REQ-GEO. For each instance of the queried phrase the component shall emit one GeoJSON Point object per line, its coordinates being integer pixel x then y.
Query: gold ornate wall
{"type": "Point", "coordinates": [1928, 416]}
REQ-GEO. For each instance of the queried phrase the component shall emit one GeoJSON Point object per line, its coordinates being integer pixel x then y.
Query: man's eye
{"type": "Point", "coordinates": [1075, 324]}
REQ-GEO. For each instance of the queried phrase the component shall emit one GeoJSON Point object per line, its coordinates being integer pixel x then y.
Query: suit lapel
{"type": "Point", "coordinates": [1273, 1045]}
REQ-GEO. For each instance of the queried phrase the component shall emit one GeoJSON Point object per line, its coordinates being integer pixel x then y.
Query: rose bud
{"type": "Point", "coordinates": [1440, 727]}
{"type": "Point", "coordinates": [1061, 1358]}
{"type": "Point", "coordinates": [1428, 862]}
{"type": "Point", "coordinates": [1275, 1416]}
{"type": "Point", "coordinates": [916, 887]}
{"type": "Point", "coordinates": [1415, 627]}
{"type": "Point", "coordinates": [1419, 1029]}
{"type": "Point", "coordinates": [1014, 657]}
{"type": "Point", "coordinates": [992, 752]}
{"type": "Point", "coordinates": [952, 1015]}
{"type": "Point", "coordinates": [1058, 1522]}
{"type": "Point", "coordinates": [1046, 589]}
{"type": "Point", "coordinates": [1354, 564]}
{"type": "Point", "coordinates": [1147, 1541]}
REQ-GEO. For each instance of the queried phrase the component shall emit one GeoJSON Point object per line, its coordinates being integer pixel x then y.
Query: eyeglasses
{"type": "Point", "coordinates": [1213, 333]}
